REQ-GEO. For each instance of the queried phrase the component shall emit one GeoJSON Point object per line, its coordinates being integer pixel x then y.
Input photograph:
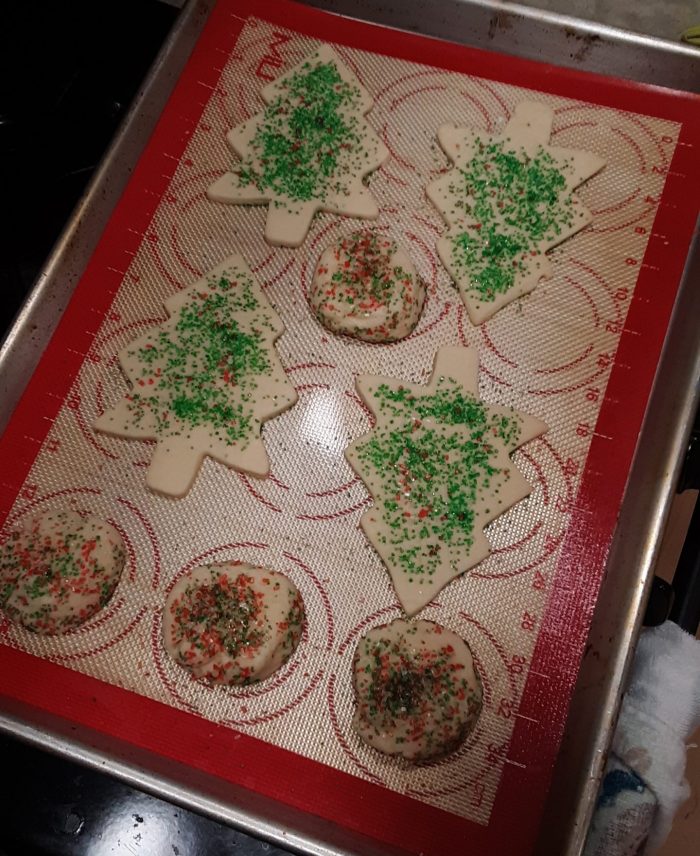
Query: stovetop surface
{"type": "Point", "coordinates": [68, 73]}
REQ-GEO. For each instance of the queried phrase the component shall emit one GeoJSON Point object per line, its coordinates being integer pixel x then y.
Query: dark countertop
{"type": "Point", "coordinates": [53, 807]}
{"type": "Point", "coordinates": [68, 72]}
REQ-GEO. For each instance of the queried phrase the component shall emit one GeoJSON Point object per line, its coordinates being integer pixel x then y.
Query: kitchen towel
{"type": "Point", "coordinates": [644, 782]}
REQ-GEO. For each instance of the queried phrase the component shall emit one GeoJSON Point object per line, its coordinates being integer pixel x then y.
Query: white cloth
{"type": "Point", "coordinates": [660, 710]}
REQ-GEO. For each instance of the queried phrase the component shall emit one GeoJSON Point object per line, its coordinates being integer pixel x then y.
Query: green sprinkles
{"type": "Point", "coordinates": [58, 570]}
{"type": "Point", "coordinates": [418, 694]}
{"type": "Point", "coordinates": [366, 282]}
{"type": "Point", "coordinates": [203, 370]}
{"type": "Point", "coordinates": [449, 405]}
{"type": "Point", "coordinates": [368, 275]}
{"type": "Point", "coordinates": [304, 147]}
{"type": "Point", "coordinates": [229, 612]}
{"type": "Point", "coordinates": [431, 474]}
{"type": "Point", "coordinates": [234, 624]}
{"type": "Point", "coordinates": [514, 202]}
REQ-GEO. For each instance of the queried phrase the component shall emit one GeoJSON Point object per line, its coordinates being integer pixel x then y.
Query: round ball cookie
{"type": "Point", "coordinates": [366, 286]}
{"type": "Point", "coordinates": [57, 570]}
{"type": "Point", "coordinates": [232, 623]}
{"type": "Point", "coordinates": [417, 692]}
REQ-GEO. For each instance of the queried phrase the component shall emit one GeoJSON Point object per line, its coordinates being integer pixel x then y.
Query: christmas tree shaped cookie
{"type": "Point", "coordinates": [437, 465]}
{"type": "Point", "coordinates": [205, 380]}
{"type": "Point", "coordinates": [307, 151]}
{"type": "Point", "coordinates": [507, 201]}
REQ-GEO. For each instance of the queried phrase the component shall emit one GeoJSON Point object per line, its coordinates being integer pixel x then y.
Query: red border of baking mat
{"type": "Point", "coordinates": [308, 785]}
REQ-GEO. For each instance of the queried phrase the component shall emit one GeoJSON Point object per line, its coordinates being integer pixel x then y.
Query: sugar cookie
{"type": "Point", "coordinates": [365, 286]}
{"type": "Point", "coordinates": [417, 692]}
{"type": "Point", "coordinates": [507, 201]}
{"type": "Point", "coordinates": [57, 570]}
{"type": "Point", "coordinates": [205, 380]}
{"type": "Point", "coordinates": [307, 151]}
{"type": "Point", "coordinates": [232, 623]}
{"type": "Point", "coordinates": [438, 468]}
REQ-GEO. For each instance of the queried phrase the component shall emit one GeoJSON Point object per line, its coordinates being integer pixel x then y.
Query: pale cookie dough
{"type": "Point", "coordinates": [366, 286]}
{"type": "Point", "coordinates": [438, 468]}
{"type": "Point", "coordinates": [307, 151]}
{"type": "Point", "coordinates": [232, 623]}
{"type": "Point", "coordinates": [417, 692]}
{"type": "Point", "coordinates": [205, 380]}
{"type": "Point", "coordinates": [57, 570]}
{"type": "Point", "coordinates": [507, 201]}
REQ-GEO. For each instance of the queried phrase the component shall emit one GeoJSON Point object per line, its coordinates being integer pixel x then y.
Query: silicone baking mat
{"type": "Point", "coordinates": [579, 352]}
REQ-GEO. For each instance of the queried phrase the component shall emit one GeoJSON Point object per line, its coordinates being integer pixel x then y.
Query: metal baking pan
{"type": "Point", "coordinates": [509, 29]}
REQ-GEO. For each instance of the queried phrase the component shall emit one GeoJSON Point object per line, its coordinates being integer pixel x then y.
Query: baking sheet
{"type": "Point", "coordinates": [551, 355]}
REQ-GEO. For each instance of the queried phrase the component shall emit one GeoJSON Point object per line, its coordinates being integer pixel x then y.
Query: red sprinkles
{"type": "Point", "coordinates": [57, 570]}
{"type": "Point", "coordinates": [233, 623]}
{"type": "Point", "coordinates": [417, 692]}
